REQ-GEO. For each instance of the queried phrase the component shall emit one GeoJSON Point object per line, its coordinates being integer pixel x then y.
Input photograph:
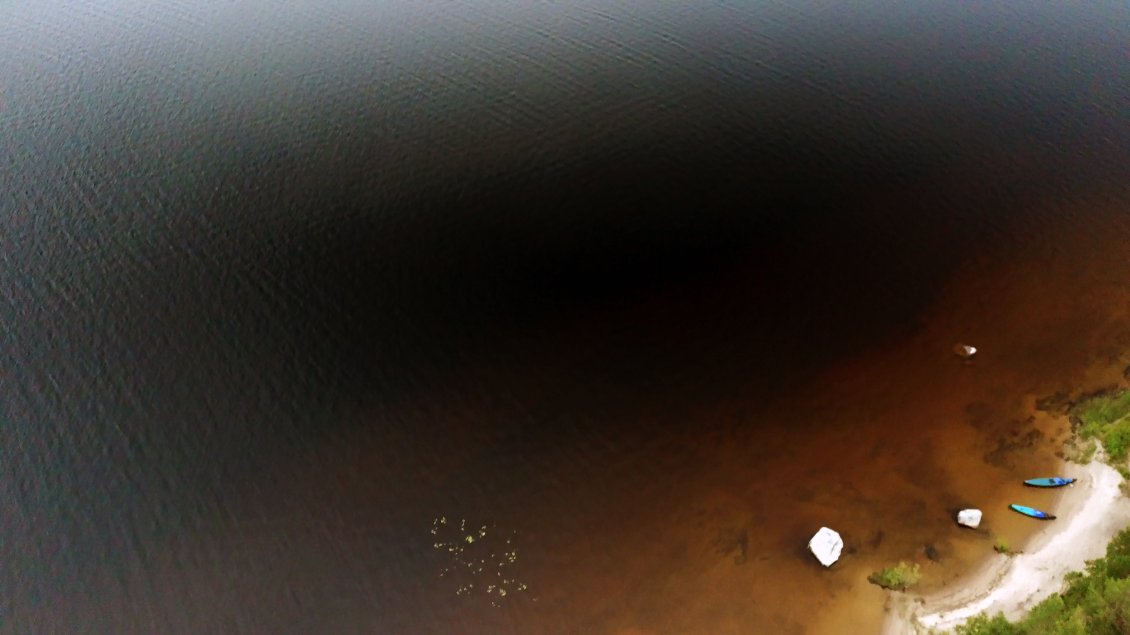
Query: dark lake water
{"type": "Point", "coordinates": [538, 317]}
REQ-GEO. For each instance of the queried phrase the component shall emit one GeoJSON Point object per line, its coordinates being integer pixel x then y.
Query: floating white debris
{"type": "Point", "coordinates": [964, 351]}
{"type": "Point", "coordinates": [826, 545]}
{"type": "Point", "coordinates": [969, 517]}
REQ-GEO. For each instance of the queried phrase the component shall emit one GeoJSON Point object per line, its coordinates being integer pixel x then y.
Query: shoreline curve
{"type": "Point", "coordinates": [1090, 514]}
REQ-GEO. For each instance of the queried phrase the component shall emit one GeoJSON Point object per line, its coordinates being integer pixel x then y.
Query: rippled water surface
{"type": "Point", "coordinates": [570, 317]}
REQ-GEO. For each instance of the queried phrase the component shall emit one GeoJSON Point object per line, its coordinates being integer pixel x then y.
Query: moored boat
{"type": "Point", "coordinates": [826, 545]}
{"type": "Point", "coordinates": [969, 518]}
{"type": "Point", "coordinates": [1032, 511]}
{"type": "Point", "coordinates": [1051, 481]}
{"type": "Point", "coordinates": [964, 351]}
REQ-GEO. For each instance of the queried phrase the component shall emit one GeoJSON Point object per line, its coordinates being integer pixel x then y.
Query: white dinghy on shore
{"type": "Point", "coordinates": [826, 545]}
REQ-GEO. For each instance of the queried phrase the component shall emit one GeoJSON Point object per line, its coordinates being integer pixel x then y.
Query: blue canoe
{"type": "Point", "coordinates": [1051, 481]}
{"type": "Point", "coordinates": [1034, 513]}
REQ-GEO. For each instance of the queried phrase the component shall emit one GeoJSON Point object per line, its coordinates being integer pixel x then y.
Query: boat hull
{"type": "Point", "coordinates": [1052, 481]}
{"type": "Point", "coordinates": [1031, 512]}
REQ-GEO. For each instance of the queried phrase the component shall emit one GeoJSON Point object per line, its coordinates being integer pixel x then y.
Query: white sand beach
{"type": "Point", "coordinates": [1090, 513]}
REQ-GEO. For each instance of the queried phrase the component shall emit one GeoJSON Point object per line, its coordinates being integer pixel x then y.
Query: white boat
{"type": "Point", "coordinates": [969, 518]}
{"type": "Point", "coordinates": [964, 351]}
{"type": "Point", "coordinates": [826, 545]}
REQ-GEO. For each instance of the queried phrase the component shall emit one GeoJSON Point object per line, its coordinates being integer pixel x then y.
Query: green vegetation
{"type": "Point", "coordinates": [1107, 418]}
{"type": "Point", "coordinates": [1096, 602]}
{"type": "Point", "coordinates": [1002, 546]}
{"type": "Point", "coordinates": [897, 578]}
{"type": "Point", "coordinates": [1104, 409]}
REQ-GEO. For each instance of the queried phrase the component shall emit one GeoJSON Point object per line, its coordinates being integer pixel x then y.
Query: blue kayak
{"type": "Point", "coordinates": [1030, 511]}
{"type": "Point", "coordinates": [1052, 481]}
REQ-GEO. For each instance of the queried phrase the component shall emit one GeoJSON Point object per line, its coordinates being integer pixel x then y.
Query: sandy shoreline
{"type": "Point", "coordinates": [1089, 514]}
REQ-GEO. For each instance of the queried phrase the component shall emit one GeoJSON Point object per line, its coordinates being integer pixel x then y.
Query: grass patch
{"type": "Point", "coordinates": [1116, 440]}
{"type": "Point", "coordinates": [1124, 486]}
{"type": "Point", "coordinates": [897, 578]}
{"type": "Point", "coordinates": [1002, 545]}
{"type": "Point", "coordinates": [1104, 409]}
{"type": "Point", "coordinates": [1107, 418]}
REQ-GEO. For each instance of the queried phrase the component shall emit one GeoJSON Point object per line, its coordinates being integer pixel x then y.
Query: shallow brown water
{"type": "Point", "coordinates": [633, 297]}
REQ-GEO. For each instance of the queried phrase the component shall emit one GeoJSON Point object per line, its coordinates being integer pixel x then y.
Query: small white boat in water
{"type": "Point", "coordinates": [826, 545]}
{"type": "Point", "coordinates": [964, 351]}
{"type": "Point", "coordinates": [969, 518]}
